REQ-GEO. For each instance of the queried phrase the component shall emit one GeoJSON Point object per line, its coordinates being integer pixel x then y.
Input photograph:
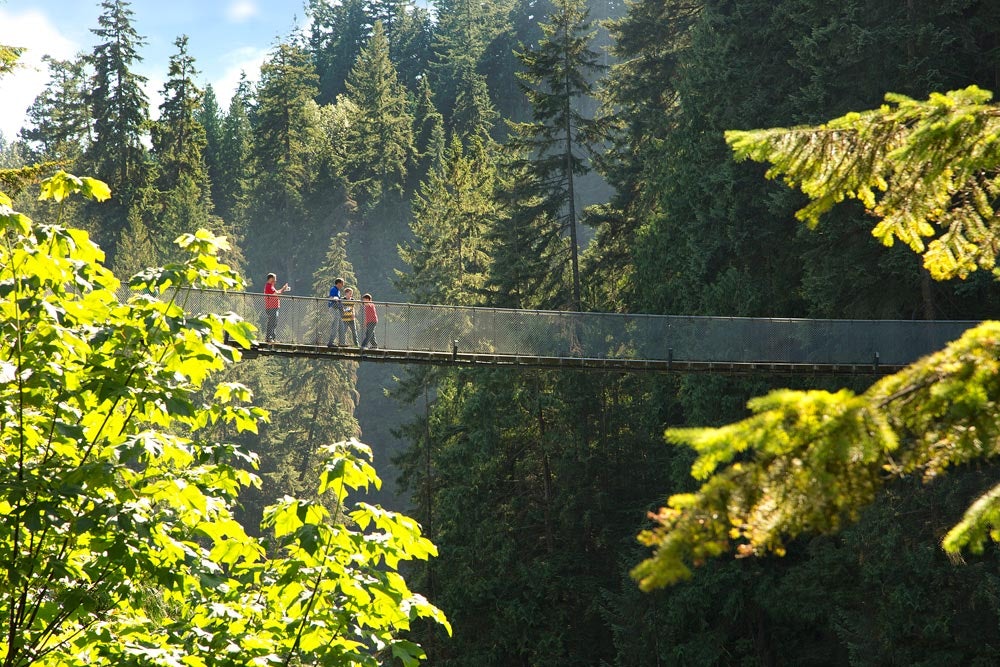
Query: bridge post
{"type": "Point", "coordinates": [875, 361]}
{"type": "Point", "coordinates": [454, 350]}
{"type": "Point", "coordinates": [670, 357]}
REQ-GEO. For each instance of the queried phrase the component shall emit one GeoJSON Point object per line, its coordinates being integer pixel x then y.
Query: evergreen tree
{"type": "Point", "coordinates": [11, 157]}
{"type": "Point", "coordinates": [118, 105]}
{"type": "Point", "coordinates": [57, 132]}
{"type": "Point", "coordinates": [749, 64]}
{"type": "Point", "coordinates": [465, 28]}
{"type": "Point", "coordinates": [925, 169]}
{"type": "Point", "coordinates": [553, 147]}
{"type": "Point", "coordinates": [713, 238]}
{"type": "Point", "coordinates": [136, 250]}
{"type": "Point", "coordinates": [387, 12]}
{"type": "Point", "coordinates": [15, 178]}
{"type": "Point", "coordinates": [288, 81]}
{"type": "Point", "coordinates": [183, 194]}
{"type": "Point", "coordinates": [9, 56]}
{"type": "Point", "coordinates": [410, 40]}
{"type": "Point", "coordinates": [536, 458]}
{"type": "Point", "coordinates": [710, 237]}
{"type": "Point", "coordinates": [449, 256]}
{"type": "Point", "coordinates": [428, 139]}
{"type": "Point", "coordinates": [283, 235]}
{"type": "Point", "coordinates": [530, 267]}
{"type": "Point", "coordinates": [474, 115]}
{"type": "Point", "coordinates": [210, 117]}
{"type": "Point", "coordinates": [235, 155]}
{"type": "Point", "coordinates": [639, 98]}
{"type": "Point", "coordinates": [380, 141]}
{"type": "Point", "coordinates": [499, 63]}
{"type": "Point", "coordinates": [943, 46]}
{"type": "Point", "coordinates": [338, 33]}
{"type": "Point", "coordinates": [340, 30]}
{"type": "Point", "coordinates": [58, 121]}
{"type": "Point", "coordinates": [179, 139]}
{"type": "Point", "coordinates": [327, 199]}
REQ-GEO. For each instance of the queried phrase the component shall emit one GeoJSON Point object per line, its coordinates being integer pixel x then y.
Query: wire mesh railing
{"type": "Point", "coordinates": [311, 321]}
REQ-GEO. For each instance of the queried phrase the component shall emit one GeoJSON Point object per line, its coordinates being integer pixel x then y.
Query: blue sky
{"type": "Point", "coordinates": [224, 36]}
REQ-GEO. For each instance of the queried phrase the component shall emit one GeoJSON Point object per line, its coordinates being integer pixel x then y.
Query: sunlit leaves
{"type": "Point", "coordinates": [8, 57]}
{"type": "Point", "coordinates": [980, 524]}
{"type": "Point", "coordinates": [347, 472]}
{"type": "Point", "coordinates": [927, 169]}
{"type": "Point", "coordinates": [12, 220]}
{"type": "Point", "coordinates": [342, 570]}
{"type": "Point", "coordinates": [61, 185]}
{"type": "Point", "coordinates": [809, 461]}
{"type": "Point", "coordinates": [203, 270]}
{"type": "Point", "coordinates": [99, 494]}
{"type": "Point", "coordinates": [118, 541]}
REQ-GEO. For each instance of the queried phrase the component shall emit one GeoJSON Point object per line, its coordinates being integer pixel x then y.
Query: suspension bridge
{"type": "Point", "coordinates": [496, 337]}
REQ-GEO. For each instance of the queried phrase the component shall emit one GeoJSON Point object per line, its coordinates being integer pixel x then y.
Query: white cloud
{"type": "Point", "coordinates": [33, 31]}
{"type": "Point", "coordinates": [245, 59]}
{"type": "Point", "coordinates": [241, 10]}
{"type": "Point", "coordinates": [154, 93]}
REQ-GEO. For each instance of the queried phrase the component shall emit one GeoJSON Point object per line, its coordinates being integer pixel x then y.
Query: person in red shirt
{"type": "Point", "coordinates": [271, 305]}
{"type": "Point", "coordinates": [371, 321]}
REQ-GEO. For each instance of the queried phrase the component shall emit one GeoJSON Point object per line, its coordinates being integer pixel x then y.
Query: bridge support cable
{"type": "Point", "coordinates": [457, 335]}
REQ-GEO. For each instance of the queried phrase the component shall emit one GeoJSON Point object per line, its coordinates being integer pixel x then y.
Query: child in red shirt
{"type": "Point", "coordinates": [371, 321]}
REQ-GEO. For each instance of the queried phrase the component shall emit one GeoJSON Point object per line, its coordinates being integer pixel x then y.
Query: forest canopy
{"type": "Point", "coordinates": [808, 461]}
{"type": "Point", "coordinates": [428, 153]}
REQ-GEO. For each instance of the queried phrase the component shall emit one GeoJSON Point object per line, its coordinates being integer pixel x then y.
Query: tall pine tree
{"type": "Point", "coordinates": [235, 156]}
{"type": "Point", "coordinates": [552, 150]}
{"type": "Point", "coordinates": [282, 233]}
{"type": "Point", "coordinates": [58, 121]}
{"type": "Point", "coordinates": [120, 110]}
{"type": "Point", "coordinates": [474, 115]}
{"type": "Point", "coordinates": [338, 32]}
{"type": "Point", "coordinates": [449, 256]}
{"type": "Point", "coordinates": [428, 133]}
{"type": "Point", "coordinates": [179, 138]}
{"type": "Point", "coordinates": [182, 202]}
{"type": "Point", "coordinates": [465, 29]}
{"type": "Point", "coordinates": [714, 237]}
{"type": "Point", "coordinates": [410, 42]}
{"type": "Point", "coordinates": [638, 98]}
{"type": "Point", "coordinates": [210, 116]}
{"type": "Point", "coordinates": [380, 140]}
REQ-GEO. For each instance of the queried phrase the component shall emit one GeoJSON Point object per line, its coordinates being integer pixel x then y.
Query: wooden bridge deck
{"type": "Point", "coordinates": [508, 338]}
{"type": "Point", "coordinates": [482, 360]}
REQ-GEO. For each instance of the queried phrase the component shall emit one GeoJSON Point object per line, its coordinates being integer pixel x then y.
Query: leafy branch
{"type": "Point", "coordinates": [119, 538]}
{"type": "Point", "coordinates": [808, 461]}
{"type": "Point", "coordinates": [927, 169]}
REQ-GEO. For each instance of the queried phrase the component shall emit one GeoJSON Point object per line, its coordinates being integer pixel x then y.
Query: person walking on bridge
{"type": "Point", "coordinates": [271, 305]}
{"type": "Point", "coordinates": [347, 317]}
{"type": "Point", "coordinates": [335, 306]}
{"type": "Point", "coordinates": [370, 315]}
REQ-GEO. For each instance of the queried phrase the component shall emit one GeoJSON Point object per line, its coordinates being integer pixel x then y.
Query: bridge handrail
{"type": "Point", "coordinates": [308, 320]}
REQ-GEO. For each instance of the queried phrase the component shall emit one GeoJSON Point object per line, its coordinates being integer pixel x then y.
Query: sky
{"type": "Point", "coordinates": [225, 37]}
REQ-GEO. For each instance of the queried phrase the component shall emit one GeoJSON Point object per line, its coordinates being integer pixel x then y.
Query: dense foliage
{"type": "Point", "coordinates": [449, 154]}
{"type": "Point", "coordinates": [119, 540]}
{"type": "Point", "coordinates": [806, 461]}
